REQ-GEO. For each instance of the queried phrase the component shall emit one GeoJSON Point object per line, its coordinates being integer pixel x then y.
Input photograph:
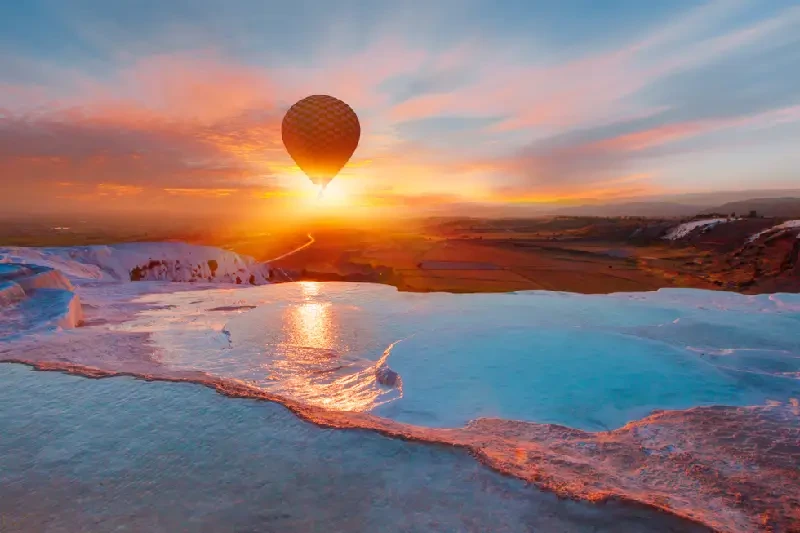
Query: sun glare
{"type": "Point", "coordinates": [334, 195]}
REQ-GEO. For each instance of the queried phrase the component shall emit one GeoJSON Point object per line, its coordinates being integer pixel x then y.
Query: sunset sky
{"type": "Point", "coordinates": [159, 104]}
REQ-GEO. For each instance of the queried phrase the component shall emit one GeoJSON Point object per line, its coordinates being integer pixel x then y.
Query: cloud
{"type": "Point", "coordinates": [169, 121]}
{"type": "Point", "coordinates": [115, 189]}
{"type": "Point", "coordinates": [405, 201]}
{"type": "Point", "coordinates": [630, 80]}
{"type": "Point", "coordinates": [450, 107]}
{"type": "Point", "coordinates": [204, 193]}
{"type": "Point", "coordinates": [58, 148]}
{"type": "Point", "coordinates": [198, 86]}
{"type": "Point", "coordinates": [590, 156]}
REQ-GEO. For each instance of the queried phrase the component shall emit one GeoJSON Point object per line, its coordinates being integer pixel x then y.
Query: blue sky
{"type": "Point", "coordinates": [179, 102]}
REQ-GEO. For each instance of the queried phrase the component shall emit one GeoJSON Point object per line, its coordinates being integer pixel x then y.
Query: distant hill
{"type": "Point", "coordinates": [709, 199]}
{"type": "Point", "coordinates": [770, 207]}
{"type": "Point", "coordinates": [630, 209]}
{"type": "Point", "coordinates": [777, 203]}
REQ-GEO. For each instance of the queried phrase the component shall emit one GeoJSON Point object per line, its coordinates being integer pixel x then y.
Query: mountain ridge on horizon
{"type": "Point", "coordinates": [786, 203]}
{"type": "Point", "coordinates": [767, 206]}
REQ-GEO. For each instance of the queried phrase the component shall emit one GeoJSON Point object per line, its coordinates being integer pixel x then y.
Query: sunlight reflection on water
{"type": "Point", "coordinates": [302, 344]}
{"type": "Point", "coordinates": [315, 363]}
{"type": "Point", "coordinates": [528, 356]}
{"type": "Point", "coordinates": [310, 324]}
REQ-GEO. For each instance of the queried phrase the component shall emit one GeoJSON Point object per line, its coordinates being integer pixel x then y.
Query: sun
{"type": "Point", "coordinates": [336, 199]}
{"type": "Point", "coordinates": [334, 195]}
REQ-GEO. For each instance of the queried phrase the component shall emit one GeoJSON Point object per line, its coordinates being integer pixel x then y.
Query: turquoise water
{"type": "Point", "coordinates": [593, 362]}
{"type": "Point", "coordinates": [125, 455]}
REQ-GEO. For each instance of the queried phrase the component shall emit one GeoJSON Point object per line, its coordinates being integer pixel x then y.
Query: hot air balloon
{"type": "Point", "coordinates": [320, 133]}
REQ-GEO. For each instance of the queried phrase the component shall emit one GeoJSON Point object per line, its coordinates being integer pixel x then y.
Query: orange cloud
{"type": "Point", "coordinates": [612, 189]}
{"type": "Point", "coordinates": [204, 193]}
{"type": "Point", "coordinates": [413, 201]}
{"type": "Point", "coordinates": [652, 137]}
{"type": "Point", "coordinates": [116, 189]}
{"type": "Point", "coordinates": [270, 195]}
{"type": "Point", "coordinates": [197, 87]}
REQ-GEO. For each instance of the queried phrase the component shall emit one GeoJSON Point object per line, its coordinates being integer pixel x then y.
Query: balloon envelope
{"type": "Point", "coordinates": [320, 133]}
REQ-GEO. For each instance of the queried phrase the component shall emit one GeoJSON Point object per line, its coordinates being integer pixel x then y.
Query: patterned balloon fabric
{"type": "Point", "coordinates": [321, 133]}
